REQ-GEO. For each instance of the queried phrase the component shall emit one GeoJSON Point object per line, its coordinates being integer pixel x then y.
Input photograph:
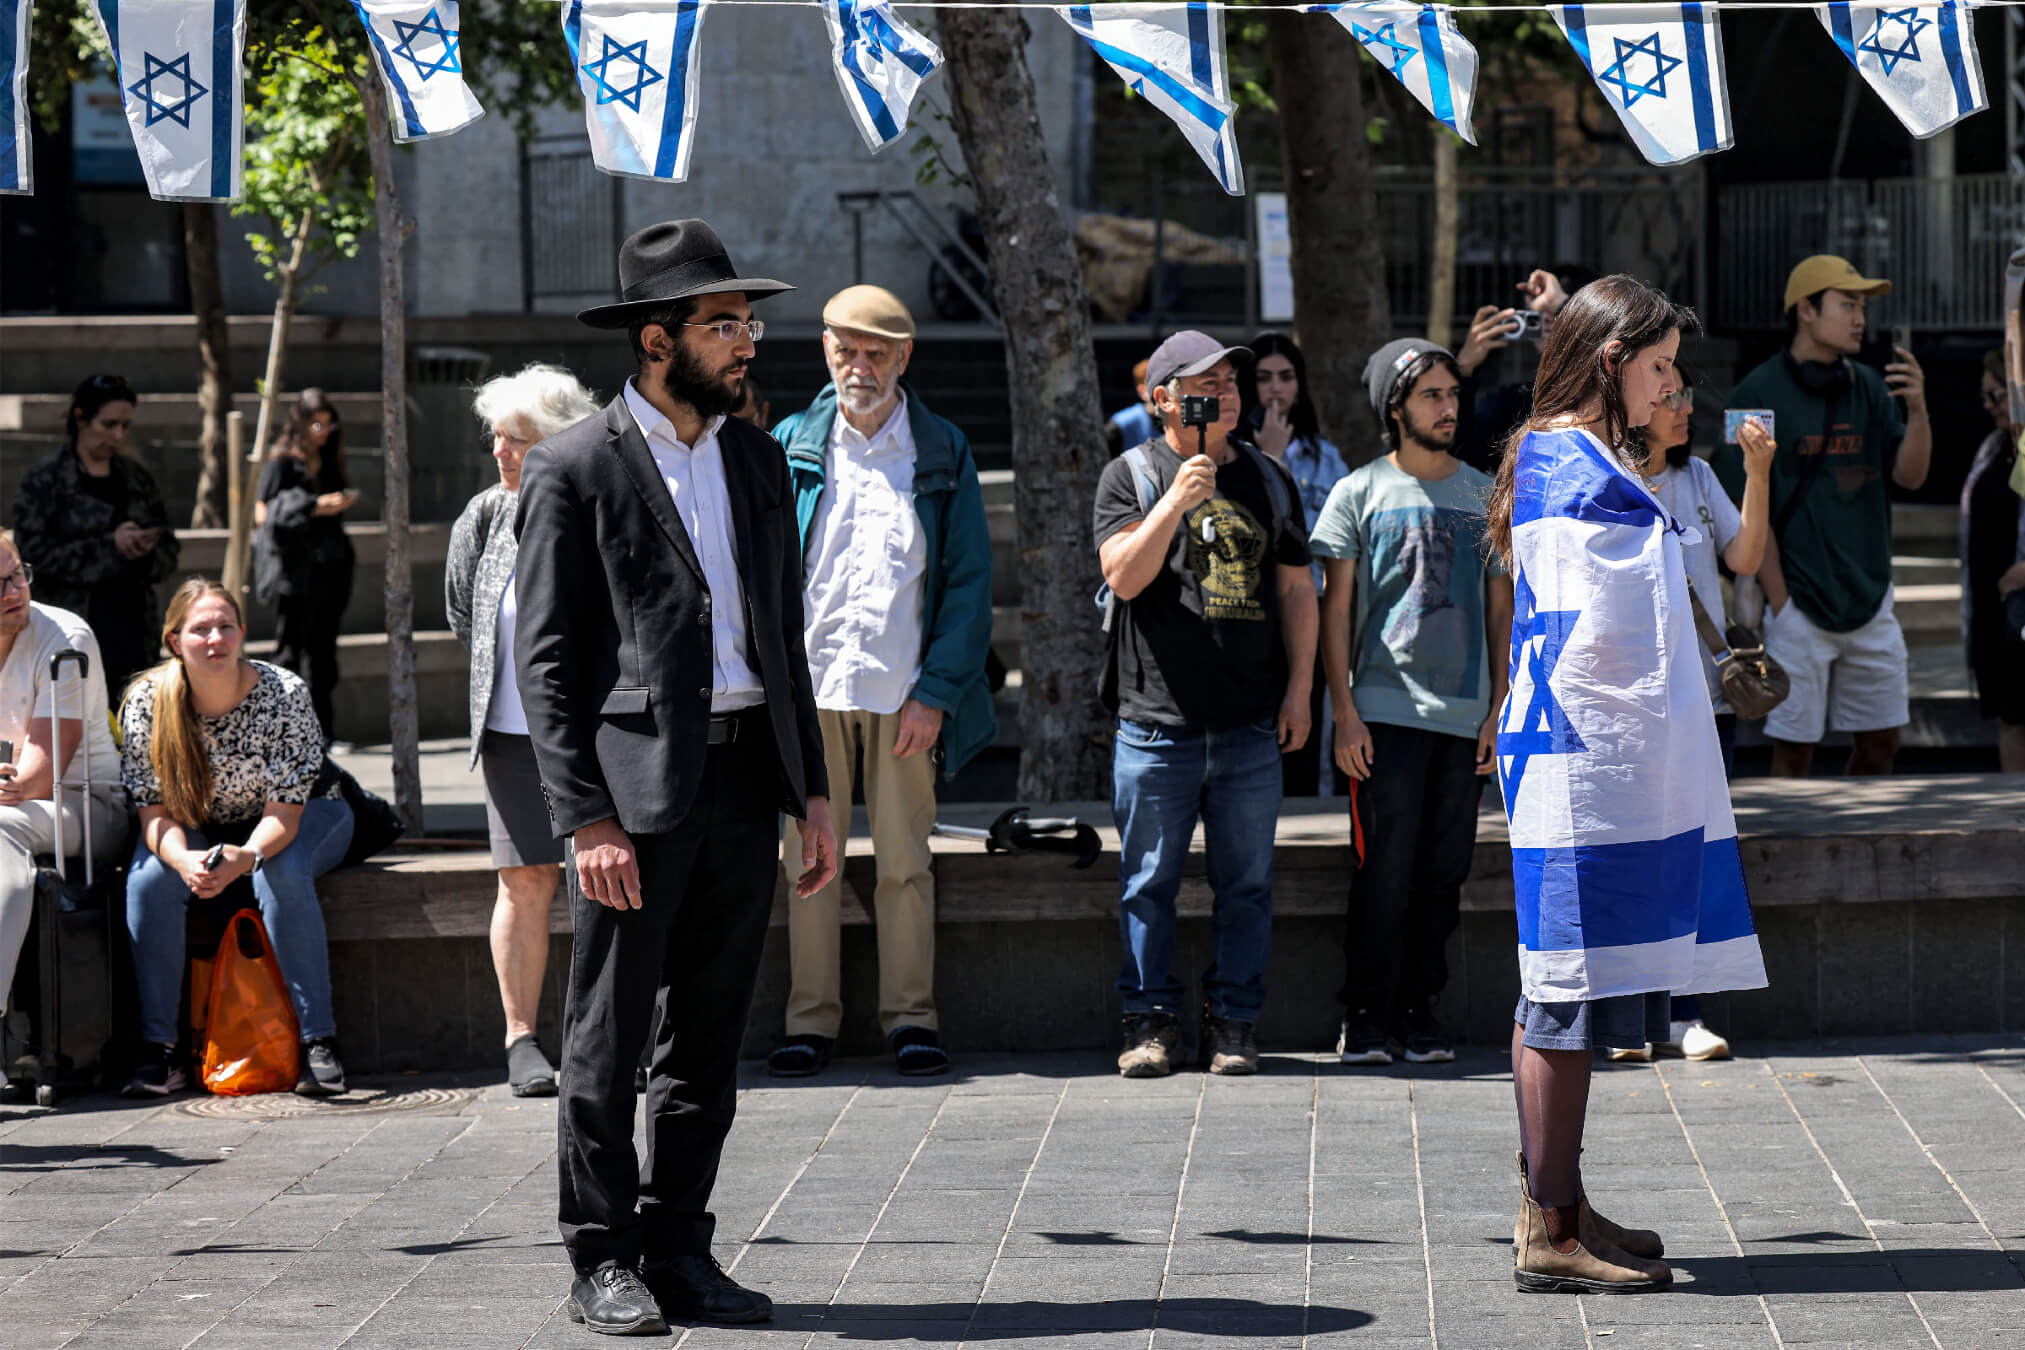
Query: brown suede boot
{"type": "Point", "coordinates": [1641, 1242]}
{"type": "Point", "coordinates": [1583, 1264]}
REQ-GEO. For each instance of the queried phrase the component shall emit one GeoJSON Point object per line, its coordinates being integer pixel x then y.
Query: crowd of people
{"type": "Point", "coordinates": [1275, 623]}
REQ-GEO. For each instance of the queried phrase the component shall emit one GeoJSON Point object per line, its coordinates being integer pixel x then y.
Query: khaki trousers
{"type": "Point", "coordinates": [900, 799]}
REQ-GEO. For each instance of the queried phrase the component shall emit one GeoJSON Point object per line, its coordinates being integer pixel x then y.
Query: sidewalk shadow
{"type": "Point", "coordinates": [73, 1157]}
{"type": "Point", "coordinates": [947, 1323]}
{"type": "Point", "coordinates": [1919, 1270]}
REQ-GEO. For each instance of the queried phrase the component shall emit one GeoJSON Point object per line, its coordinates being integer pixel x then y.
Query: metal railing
{"type": "Point", "coordinates": [1943, 243]}
{"type": "Point", "coordinates": [953, 261]}
{"type": "Point", "coordinates": [571, 223]}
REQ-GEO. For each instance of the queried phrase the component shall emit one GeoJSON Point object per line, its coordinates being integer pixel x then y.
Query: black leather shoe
{"type": "Point", "coordinates": [613, 1301]}
{"type": "Point", "coordinates": [696, 1289]}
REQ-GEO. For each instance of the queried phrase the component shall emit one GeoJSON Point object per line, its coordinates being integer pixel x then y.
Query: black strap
{"type": "Point", "coordinates": [1712, 638]}
{"type": "Point", "coordinates": [1810, 469]}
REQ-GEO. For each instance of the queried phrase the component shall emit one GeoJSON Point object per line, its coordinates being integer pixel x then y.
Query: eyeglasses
{"type": "Point", "coordinates": [22, 576]}
{"type": "Point", "coordinates": [729, 329]}
{"type": "Point", "coordinates": [1679, 399]}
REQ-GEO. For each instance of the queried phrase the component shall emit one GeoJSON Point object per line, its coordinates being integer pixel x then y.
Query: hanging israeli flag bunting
{"type": "Point", "coordinates": [636, 65]}
{"type": "Point", "coordinates": [1172, 56]}
{"type": "Point", "coordinates": [1921, 61]}
{"type": "Point", "coordinates": [417, 49]}
{"type": "Point", "coordinates": [1660, 68]}
{"type": "Point", "coordinates": [1422, 48]}
{"type": "Point", "coordinates": [179, 77]}
{"type": "Point", "coordinates": [17, 164]}
{"type": "Point", "coordinates": [881, 62]}
{"type": "Point", "coordinates": [1624, 849]}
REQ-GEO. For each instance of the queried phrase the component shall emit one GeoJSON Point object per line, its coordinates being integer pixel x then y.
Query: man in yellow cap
{"type": "Point", "coordinates": [1827, 571]}
{"type": "Point", "coordinates": [897, 608]}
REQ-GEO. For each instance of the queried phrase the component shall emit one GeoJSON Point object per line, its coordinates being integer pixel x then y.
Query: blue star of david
{"type": "Point", "coordinates": [446, 62]}
{"type": "Point", "coordinates": [1384, 38]}
{"type": "Point", "coordinates": [1543, 729]}
{"type": "Point", "coordinates": [1619, 73]}
{"type": "Point", "coordinates": [1908, 48]}
{"type": "Point", "coordinates": [644, 75]}
{"type": "Point", "coordinates": [154, 68]}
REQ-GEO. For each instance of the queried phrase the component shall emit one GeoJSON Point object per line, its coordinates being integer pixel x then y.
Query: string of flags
{"type": "Point", "coordinates": [1658, 66]}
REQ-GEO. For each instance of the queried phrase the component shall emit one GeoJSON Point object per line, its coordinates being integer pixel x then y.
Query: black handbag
{"type": "Point", "coordinates": [375, 822]}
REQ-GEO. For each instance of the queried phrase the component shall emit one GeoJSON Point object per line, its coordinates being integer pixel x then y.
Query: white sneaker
{"type": "Point", "coordinates": [1642, 1055]}
{"type": "Point", "coordinates": [1698, 1042]}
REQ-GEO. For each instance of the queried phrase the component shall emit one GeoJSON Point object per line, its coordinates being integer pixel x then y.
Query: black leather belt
{"type": "Point", "coordinates": [724, 730]}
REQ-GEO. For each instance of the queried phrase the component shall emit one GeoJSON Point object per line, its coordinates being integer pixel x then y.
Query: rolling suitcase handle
{"type": "Point", "coordinates": [56, 665]}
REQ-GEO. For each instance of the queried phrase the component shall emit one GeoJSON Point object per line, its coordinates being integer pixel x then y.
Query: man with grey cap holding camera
{"type": "Point", "coordinates": [1212, 626]}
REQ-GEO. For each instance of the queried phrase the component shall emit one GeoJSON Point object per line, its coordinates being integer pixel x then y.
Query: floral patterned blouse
{"type": "Point", "coordinates": [268, 749]}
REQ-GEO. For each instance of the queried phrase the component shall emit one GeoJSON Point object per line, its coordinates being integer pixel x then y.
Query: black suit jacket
{"type": "Point", "coordinates": [612, 644]}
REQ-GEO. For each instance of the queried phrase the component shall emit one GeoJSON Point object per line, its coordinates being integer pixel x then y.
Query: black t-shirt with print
{"type": "Point", "coordinates": [1200, 647]}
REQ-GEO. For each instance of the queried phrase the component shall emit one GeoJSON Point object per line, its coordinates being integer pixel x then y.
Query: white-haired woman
{"type": "Point", "coordinates": [518, 410]}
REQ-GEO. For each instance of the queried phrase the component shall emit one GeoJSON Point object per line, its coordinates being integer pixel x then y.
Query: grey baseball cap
{"type": "Point", "coordinates": [1187, 353]}
{"type": "Point", "coordinates": [1388, 363]}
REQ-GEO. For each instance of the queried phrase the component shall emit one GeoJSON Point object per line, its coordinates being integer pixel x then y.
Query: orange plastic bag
{"type": "Point", "coordinates": [250, 1039]}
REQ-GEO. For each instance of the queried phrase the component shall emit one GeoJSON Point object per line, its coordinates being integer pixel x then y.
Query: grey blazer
{"type": "Point", "coordinates": [475, 576]}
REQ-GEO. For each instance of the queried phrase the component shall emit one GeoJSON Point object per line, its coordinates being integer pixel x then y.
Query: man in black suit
{"type": "Point", "coordinates": [658, 651]}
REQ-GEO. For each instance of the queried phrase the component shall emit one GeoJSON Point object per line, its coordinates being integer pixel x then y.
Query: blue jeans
{"type": "Point", "coordinates": [1162, 779]}
{"type": "Point", "coordinates": [285, 886]}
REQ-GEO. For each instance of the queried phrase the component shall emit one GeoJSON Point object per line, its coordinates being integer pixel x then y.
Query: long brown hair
{"type": "Point", "coordinates": [176, 744]}
{"type": "Point", "coordinates": [295, 441]}
{"type": "Point", "coordinates": [1579, 374]}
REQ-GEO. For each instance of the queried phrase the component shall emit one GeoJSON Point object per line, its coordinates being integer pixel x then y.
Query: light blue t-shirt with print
{"type": "Point", "coordinates": [1417, 650]}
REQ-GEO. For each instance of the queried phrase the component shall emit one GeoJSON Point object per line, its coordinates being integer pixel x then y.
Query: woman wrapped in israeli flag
{"type": "Point", "coordinates": [1624, 850]}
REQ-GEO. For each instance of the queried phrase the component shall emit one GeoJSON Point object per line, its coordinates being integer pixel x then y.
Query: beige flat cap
{"type": "Point", "coordinates": [870, 309]}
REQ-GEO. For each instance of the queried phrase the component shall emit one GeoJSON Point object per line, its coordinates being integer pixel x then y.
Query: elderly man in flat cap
{"type": "Point", "coordinates": [897, 563]}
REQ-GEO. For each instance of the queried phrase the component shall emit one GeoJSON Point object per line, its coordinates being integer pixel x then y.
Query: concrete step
{"type": "Point", "coordinates": [1912, 569]}
{"type": "Point", "coordinates": [1922, 529]}
{"type": "Point", "coordinates": [360, 702]}
{"type": "Point", "coordinates": [178, 417]}
{"type": "Point", "coordinates": [428, 544]}
{"type": "Point", "coordinates": [1929, 611]}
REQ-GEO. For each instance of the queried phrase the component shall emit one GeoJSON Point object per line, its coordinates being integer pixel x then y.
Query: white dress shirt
{"type": "Point", "coordinates": [695, 478]}
{"type": "Point", "coordinates": [504, 713]}
{"type": "Point", "coordinates": [865, 571]}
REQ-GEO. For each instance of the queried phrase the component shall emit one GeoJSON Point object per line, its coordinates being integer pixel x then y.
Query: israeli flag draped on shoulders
{"type": "Point", "coordinates": [1423, 49]}
{"type": "Point", "coordinates": [1660, 68]}
{"type": "Point", "coordinates": [636, 65]}
{"type": "Point", "coordinates": [1172, 56]}
{"type": "Point", "coordinates": [17, 164]}
{"type": "Point", "coordinates": [881, 61]}
{"type": "Point", "coordinates": [418, 51]}
{"type": "Point", "coordinates": [1920, 60]}
{"type": "Point", "coordinates": [1624, 849]}
{"type": "Point", "coordinates": [179, 75]}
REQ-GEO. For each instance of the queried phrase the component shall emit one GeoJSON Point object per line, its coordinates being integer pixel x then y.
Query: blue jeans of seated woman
{"type": "Point", "coordinates": [1162, 780]}
{"type": "Point", "coordinates": [285, 886]}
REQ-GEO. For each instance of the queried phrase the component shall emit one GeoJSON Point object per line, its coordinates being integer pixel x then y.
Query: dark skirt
{"type": "Point", "coordinates": [516, 814]}
{"type": "Point", "coordinates": [1625, 1022]}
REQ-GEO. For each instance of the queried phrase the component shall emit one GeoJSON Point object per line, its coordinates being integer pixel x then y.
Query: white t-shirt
{"type": "Point", "coordinates": [505, 715]}
{"type": "Point", "coordinates": [26, 694]}
{"type": "Point", "coordinates": [1692, 496]}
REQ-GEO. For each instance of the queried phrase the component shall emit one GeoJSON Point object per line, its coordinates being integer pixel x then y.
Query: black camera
{"type": "Point", "coordinates": [1200, 410]}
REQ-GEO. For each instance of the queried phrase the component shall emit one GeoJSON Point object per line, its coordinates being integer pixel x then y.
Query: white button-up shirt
{"type": "Point", "coordinates": [695, 478]}
{"type": "Point", "coordinates": [865, 571]}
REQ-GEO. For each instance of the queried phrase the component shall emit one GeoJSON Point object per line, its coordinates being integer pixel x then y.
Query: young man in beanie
{"type": "Point", "coordinates": [1416, 622]}
{"type": "Point", "coordinates": [1202, 543]}
{"type": "Point", "coordinates": [897, 616]}
{"type": "Point", "coordinates": [1827, 570]}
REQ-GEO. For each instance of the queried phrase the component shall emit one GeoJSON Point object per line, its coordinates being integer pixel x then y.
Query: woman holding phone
{"type": "Point", "coordinates": [304, 562]}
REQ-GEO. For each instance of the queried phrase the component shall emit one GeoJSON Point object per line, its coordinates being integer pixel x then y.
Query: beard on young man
{"type": "Point", "coordinates": [688, 378]}
{"type": "Point", "coordinates": [1437, 435]}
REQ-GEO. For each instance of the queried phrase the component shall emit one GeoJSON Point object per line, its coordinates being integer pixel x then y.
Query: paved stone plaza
{"type": "Point", "coordinates": [1856, 1193]}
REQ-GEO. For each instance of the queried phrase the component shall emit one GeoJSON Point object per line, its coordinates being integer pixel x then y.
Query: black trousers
{"type": "Point", "coordinates": [683, 964]}
{"type": "Point", "coordinates": [306, 638]}
{"type": "Point", "coordinates": [1418, 812]}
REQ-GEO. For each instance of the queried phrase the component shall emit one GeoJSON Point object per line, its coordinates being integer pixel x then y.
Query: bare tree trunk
{"type": "Point", "coordinates": [1447, 224]}
{"type": "Point", "coordinates": [404, 724]}
{"type": "Point", "coordinates": [238, 547]}
{"type": "Point", "coordinates": [1341, 310]}
{"type": "Point", "coordinates": [214, 358]}
{"type": "Point", "coordinates": [1057, 420]}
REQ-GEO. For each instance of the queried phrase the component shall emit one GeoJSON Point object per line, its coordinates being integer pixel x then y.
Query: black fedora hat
{"type": "Point", "coordinates": [673, 261]}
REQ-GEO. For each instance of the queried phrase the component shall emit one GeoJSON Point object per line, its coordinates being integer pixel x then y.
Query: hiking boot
{"type": "Point", "coordinates": [322, 1073]}
{"type": "Point", "coordinates": [1640, 1242]}
{"type": "Point", "coordinates": [1421, 1035]}
{"type": "Point", "coordinates": [1582, 1264]}
{"type": "Point", "coordinates": [1228, 1046]}
{"type": "Point", "coordinates": [1362, 1039]}
{"type": "Point", "coordinates": [528, 1071]}
{"type": "Point", "coordinates": [1151, 1042]}
{"type": "Point", "coordinates": [157, 1075]}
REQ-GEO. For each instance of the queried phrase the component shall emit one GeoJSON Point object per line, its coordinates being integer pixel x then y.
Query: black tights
{"type": "Point", "coordinates": [1552, 1087]}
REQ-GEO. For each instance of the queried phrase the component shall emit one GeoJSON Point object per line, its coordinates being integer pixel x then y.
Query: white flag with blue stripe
{"type": "Point", "coordinates": [636, 65]}
{"type": "Point", "coordinates": [1660, 68]}
{"type": "Point", "coordinates": [1624, 850]}
{"type": "Point", "coordinates": [1422, 48]}
{"type": "Point", "coordinates": [1920, 60]}
{"type": "Point", "coordinates": [881, 61]}
{"type": "Point", "coordinates": [1172, 56]}
{"type": "Point", "coordinates": [179, 76]}
{"type": "Point", "coordinates": [17, 164]}
{"type": "Point", "coordinates": [418, 49]}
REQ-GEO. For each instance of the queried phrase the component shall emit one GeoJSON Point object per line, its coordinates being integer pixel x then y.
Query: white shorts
{"type": "Point", "coordinates": [1853, 681]}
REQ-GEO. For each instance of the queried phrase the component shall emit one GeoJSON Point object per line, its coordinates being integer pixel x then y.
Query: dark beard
{"type": "Point", "coordinates": [688, 380]}
{"type": "Point", "coordinates": [1429, 439]}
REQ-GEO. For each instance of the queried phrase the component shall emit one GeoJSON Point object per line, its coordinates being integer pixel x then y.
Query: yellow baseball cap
{"type": "Point", "coordinates": [1826, 272]}
{"type": "Point", "coordinates": [870, 309]}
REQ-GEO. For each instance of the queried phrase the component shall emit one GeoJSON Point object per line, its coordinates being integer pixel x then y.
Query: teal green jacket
{"type": "Point", "coordinates": [956, 613]}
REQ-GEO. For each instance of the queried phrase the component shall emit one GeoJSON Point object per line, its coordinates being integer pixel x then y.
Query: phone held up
{"type": "Point", "coordinates": [7, 753]}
